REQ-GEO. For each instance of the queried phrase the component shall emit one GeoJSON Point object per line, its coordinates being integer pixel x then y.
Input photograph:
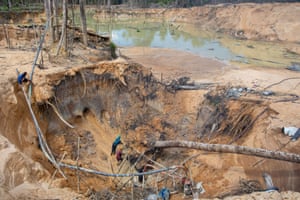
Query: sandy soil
{"type": "Point", "coordinates": [26, 174]}
{"type": "Point", "coordinates": [257, 79]}
{"type": "Point", "coordinates": [169, 64]}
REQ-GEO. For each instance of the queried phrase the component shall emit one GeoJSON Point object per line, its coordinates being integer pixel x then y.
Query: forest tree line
{"type": "Point", "coordinates": [9, 4]}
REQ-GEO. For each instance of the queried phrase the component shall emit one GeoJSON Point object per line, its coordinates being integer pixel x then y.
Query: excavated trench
{"type": "Point", "coordinates": [101, 101]}
{"type": "Point", "coordinates": [109, 99]}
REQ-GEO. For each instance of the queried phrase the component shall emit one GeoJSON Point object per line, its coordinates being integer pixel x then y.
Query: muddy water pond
{"type": "Point", "coordinates": [190, 38]}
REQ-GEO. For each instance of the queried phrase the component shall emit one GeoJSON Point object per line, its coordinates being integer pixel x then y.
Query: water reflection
{"type": "Point", "coordinates": [163, 36]}
{"type": "Point", "coordinates": [188, 37]}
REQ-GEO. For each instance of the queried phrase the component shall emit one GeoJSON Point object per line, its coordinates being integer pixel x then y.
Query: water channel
{"type": "Point", "coordinates": [189, 38]}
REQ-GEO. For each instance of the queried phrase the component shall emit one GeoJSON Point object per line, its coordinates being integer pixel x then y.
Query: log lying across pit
{"type": "Point", "coordinates": [224, 148]}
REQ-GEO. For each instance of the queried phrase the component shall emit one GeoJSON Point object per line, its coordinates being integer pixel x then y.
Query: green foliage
{"type": "Point", "coordinates": [23, 7]}
{"type": "Point", "coordinates": [3, 8]}
{"type": "Point", "coordinates": [164, 2]}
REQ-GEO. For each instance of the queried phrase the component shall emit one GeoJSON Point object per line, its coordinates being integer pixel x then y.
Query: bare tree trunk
{"type": "Point", "coordinates": [55, 19]}
{"type": "Point", "coordinates": [47, 5]}
{"type": "Point", "coordinates": [72, 24]}
{"type": "Point", "coordinates": [47, 10]}
{"type": "Point", "coordinates": [9, 4]}
{"type": "Point", "coordinates": [83, 22]}
{"type": "Point", "coordinates": [223, 148]}
{"type": "Point", "coordinates": [50, 18]}
{"type": "Point", "coordinates": [65, 22]}
{"type": "Point", "coordinates": [6, 34]}
{"type": "Point", "coordinates": [63, 37]}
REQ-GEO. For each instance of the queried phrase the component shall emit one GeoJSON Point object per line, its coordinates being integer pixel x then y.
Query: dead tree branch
{"type": "Point", "coordinates": [248, 127]}
{"type": "Point", "coordinates": [223, 148]}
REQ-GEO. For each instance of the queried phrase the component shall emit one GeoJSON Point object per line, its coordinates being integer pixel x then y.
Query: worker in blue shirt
{"type": "Point", "coordinates": [115, 144]}
{"type": "Point", "coordinates": [22, 78]}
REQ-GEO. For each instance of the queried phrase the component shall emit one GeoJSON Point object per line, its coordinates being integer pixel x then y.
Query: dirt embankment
{"type": "Point", "coordinates": [110, 98]}
{"type": "Point", "coordinates": [246, 21]}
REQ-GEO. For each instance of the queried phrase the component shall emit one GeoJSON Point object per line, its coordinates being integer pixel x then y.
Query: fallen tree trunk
{"type": "Point", "coordinates": [224, 148]}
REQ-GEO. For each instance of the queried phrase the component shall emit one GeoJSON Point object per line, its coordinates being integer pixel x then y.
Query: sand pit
{"type": "Point", "coordinates": [138, 98]}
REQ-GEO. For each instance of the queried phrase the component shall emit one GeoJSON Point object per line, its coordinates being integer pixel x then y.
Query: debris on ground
{"type": "Point", "coordinates": [295, 66]}
{"type": "Point", "coordinates": [185, 83]}
{"type": "Point", "coordinates": [293, 132]}
{"type": "Point", "coordinates": [236, 92]}
{"type": "Point", "coordinates": [268, 93]}
{"type": "Point", "coordinates": [269, 183]}
{"type": "Point", "coordinates": [199, 189]}
{"type": "Point", "coordinates": [244, 187]}
{"type": "Point", "coordinates": [187, 187]}
{"type": "Point", "coordinates": [152, 197]}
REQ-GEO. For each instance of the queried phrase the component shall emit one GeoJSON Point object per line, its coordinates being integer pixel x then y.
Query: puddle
{"type": "Point", "coordinates": [188, 37]}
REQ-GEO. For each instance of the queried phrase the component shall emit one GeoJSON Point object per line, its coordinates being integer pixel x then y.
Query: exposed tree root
{"type": "Point", "coordinates": [59, 115]}
{"type": "Point", "coordinates": [84, 84]}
